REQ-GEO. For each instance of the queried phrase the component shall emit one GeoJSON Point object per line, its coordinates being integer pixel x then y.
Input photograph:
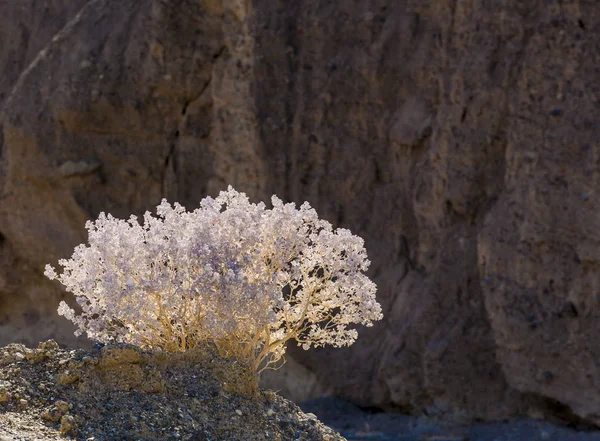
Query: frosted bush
{"type": "Point", "coordinates": [231, 273]}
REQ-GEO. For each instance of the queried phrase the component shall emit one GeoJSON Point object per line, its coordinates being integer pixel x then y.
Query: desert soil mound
{"type": "Point", "coordinates": [120, 392]}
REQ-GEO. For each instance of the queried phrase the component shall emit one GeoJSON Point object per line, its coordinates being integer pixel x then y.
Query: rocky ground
{"type": "Point", "coordinates": [363, 425]}
{"type": "Point", "coordinates": [118, 392]}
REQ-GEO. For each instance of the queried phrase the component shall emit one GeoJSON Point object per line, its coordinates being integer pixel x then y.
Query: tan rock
{"type": "Point", "coordinates": [68, 425]}
{"type": "Point", "coordinates": [63, 406]}
{"type": "Point", "coordinates": [68, 377]}
{"type": "Point", "coordinates": [52, 414]}
{"type": "Point", "coordinates": [5, 395]}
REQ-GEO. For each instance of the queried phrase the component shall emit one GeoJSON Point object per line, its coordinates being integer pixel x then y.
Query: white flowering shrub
{"type": "Point", "coordinates": [231, 273]}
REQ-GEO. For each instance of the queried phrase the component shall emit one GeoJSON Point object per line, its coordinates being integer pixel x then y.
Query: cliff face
{"type": "Point", "coordinates": [460, 139]}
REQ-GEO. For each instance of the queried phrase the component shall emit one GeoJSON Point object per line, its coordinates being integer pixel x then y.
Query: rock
{"type": "Point", "coordinates": [63, 406]}
{"type": "Point", "coordinates": [52, 414]}
{"type": "Point", "coordinates": [71, 168]}
{"type": "Point", "coordinates": [68, 425]}
{"type": "Point", "coordinates": [48, 345]}
{"type": "Point", "coordinates": [110, 367]}
{"type": "Point", "coordinates": [433, 172]}
{"type": "Point", "coordinates": [5, 395]}
{"type": "Point", "coordinates": [459, 139]}
{"type": "Point", "coordinates": [37, 355]}
{"type": "Point", "coordinates": [68, 377]}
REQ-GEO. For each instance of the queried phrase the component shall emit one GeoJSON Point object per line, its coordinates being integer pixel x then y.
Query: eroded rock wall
{"type": "Point", "coordinates": [113, 106]}
{"type": "Point", "coordinates": [460, 139]}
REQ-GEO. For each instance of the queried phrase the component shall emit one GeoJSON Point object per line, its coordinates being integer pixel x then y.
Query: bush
{"type": "Point", "coordinates": [231, 273]}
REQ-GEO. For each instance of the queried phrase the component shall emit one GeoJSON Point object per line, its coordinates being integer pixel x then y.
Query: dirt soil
{"type": "Point", "coordinates": [119, 392]}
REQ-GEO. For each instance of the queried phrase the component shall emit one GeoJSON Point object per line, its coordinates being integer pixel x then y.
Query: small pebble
{"type": "Point", "coordinates": [239, 412]}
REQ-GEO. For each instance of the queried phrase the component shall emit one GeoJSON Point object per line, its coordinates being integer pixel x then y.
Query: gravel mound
{"type": "Point", "coordinates": [119, 392]}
